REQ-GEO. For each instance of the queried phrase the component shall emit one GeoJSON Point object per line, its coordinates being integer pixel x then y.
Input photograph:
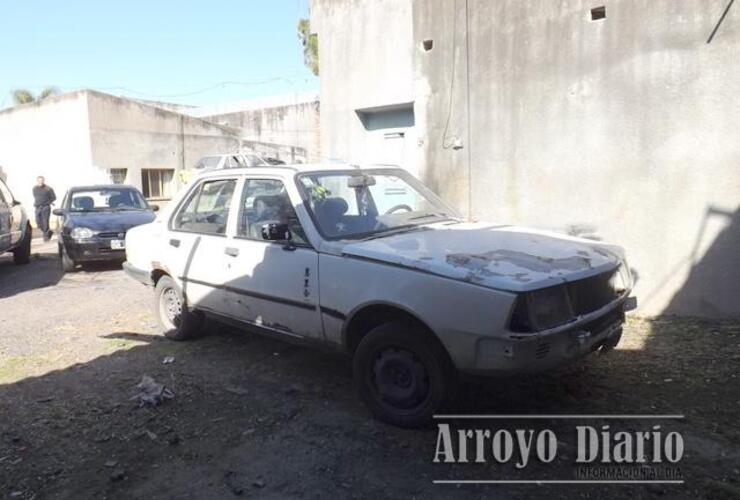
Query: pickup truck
{"type": "Point", "coordinates": [370, 261]}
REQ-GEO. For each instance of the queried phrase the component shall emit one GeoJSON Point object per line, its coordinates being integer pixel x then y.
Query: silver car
{"type": "Point", "coordinates": [15, 228]}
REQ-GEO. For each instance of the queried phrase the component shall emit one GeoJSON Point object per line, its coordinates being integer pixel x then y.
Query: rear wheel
{"type": "Point", "coordinates": [22, 254]}
{"type": "Point", "coordinates": [68, 265]}
{"type": "Point", "coordinates": [173, 316]}
{"type": "Point", "coordinates": [402, 375]}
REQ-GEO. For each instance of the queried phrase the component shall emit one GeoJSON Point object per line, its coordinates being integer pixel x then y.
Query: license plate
{"type": "Point", "coordinates": [117, 244]}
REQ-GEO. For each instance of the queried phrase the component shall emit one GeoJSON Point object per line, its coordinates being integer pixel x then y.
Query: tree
{"type": "Point", "coordinates": [23, 96]}
{"type": "Point", "coordinates": [310, 44]}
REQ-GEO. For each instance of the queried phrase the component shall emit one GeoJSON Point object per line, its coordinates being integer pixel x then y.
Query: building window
{"type": "Point", "coordinates": [157, 183]}
{"type": "Point", "coordinates": [117, 175]}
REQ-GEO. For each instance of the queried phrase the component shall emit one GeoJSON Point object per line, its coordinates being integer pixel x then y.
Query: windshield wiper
{"type": "Point", "coordinates": [442, 215]}
{"type": "Point", "coordinates": [381, 233]}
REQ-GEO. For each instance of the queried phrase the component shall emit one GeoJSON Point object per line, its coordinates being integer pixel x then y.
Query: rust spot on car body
{"type": "Point", "coordinates": [480, 264]}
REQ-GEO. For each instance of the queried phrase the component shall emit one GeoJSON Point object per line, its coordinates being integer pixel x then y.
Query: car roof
{"type": "Point", "coordinates": [296, 169]}
{"type": "Point", "coordinates": [96, 187]}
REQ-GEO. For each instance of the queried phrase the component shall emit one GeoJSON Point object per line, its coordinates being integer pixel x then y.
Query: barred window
{"type": "Point", "coordinates": [117, 175]}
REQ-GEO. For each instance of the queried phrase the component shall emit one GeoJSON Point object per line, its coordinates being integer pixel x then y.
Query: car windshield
{"type": "Point", "coordinates": [369, 203]}
{"type": "Point", "coordinates": [106, 199]}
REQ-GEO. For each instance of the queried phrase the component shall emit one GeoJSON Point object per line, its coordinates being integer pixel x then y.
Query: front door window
{"type": "Point", "coordinates": [266, 201]}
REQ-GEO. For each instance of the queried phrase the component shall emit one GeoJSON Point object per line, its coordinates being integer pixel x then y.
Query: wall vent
{"type": "Point", "coordinates": [598, 13]}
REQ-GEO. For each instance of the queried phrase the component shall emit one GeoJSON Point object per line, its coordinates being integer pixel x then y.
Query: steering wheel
{"type": "Point", "coordinates": [399, 207]}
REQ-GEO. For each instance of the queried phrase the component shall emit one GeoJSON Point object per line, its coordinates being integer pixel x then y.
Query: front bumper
{"type": "Point", "coordinates": [91, 250]}
{"type": "Point", "coordinates": [532, 353]}
{"type": "Point", "coordinates": [137, 274]}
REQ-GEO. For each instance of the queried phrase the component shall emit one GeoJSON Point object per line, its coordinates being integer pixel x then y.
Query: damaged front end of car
{"type": "Point", "coordinates": [551, 326]}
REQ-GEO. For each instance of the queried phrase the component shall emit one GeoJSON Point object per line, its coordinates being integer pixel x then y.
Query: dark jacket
{"type": "Point", "coordinates": [43, 196]}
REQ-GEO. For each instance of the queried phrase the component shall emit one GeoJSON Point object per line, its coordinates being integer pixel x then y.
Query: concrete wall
{"type": "Point", "coordinates": [76, 138]}
{"type": "Point", "coordinates": [135, 136]}
{"type": "Point", "coordinates": [48, 139]}
{"type": "Point", "coordinates": [626, 126]}
{"type": "Point", "coordinates": [365, 63]}
{"type": "Point", "coordinates": [286, 120]}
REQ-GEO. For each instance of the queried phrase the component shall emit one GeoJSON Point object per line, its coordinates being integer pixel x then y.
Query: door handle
{"type": "Point", "coordinates": [231, 251]}
{"type": "Point", "coordinates": [175, 243]}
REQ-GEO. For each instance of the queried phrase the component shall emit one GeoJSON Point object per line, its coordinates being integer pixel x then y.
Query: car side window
{"type": "Point", "coordinates": [265, 201]}
{"type": "Point", "coordinates": [207, 209]}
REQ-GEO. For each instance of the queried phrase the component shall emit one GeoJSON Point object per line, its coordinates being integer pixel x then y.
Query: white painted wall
{"type": "Point", "coordinates": [48, 139]}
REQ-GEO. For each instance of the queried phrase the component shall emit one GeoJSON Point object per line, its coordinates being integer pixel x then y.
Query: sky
{"type": "Point", "coordinates": [192, 52]}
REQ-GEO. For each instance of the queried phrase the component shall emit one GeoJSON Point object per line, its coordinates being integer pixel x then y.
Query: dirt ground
{"type": "Point", "coordinates": [253, 417]}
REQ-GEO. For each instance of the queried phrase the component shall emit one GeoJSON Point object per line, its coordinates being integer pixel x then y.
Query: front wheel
{"type": "Point", "coordinates": [402, 375]}
{"type": "Point", "coordinates": [22, 254]}
{"type": "Point", "coordinates": [68, 265]}
{"type": "Point", "coordinates": [175, 321]}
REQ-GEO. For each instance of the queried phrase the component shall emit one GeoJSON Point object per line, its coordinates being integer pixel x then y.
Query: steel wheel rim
{"type": "Point", "coordinates": [170, 307]}
{"type": "Point", "coordinates": [399, 379]}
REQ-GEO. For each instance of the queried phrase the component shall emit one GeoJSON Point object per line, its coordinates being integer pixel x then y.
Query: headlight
{"type": "Point", "coordinates": [81, 233]}
{"type": "Point", "coordinates": [541, 310]}
{"type": "Point", "coordinates": [621, 279]}
{"type": "Point", "coordinates": [549, 307]}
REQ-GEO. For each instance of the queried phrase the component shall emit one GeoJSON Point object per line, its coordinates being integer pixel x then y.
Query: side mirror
{"type": "Point", "coordinates": [275, 231]}
{"type": "Point", "coordinates": [16, 203]}
{"type": "Point", "coordinates": [58, 211]}
{"type": "Point", "coordinates": [155, 208]}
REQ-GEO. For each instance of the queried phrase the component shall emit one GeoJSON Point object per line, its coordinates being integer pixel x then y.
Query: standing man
{"type": "Point", "coordinates": [43, 197]}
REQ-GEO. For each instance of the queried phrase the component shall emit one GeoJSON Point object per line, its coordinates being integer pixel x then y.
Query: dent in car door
{"type": "Point", "coordinates": [271, 284]}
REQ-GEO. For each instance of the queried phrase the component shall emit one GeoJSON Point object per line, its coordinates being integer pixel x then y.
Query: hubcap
{"type": "Point", "coordinates": [400, 379]}
{"type": "Point", "coordinates": [171, 307]}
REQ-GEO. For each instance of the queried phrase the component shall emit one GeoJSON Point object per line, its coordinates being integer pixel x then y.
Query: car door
{"type": "Point", "coordinates": [196, 241]}
{"type": "Point", "coordinates": [271, 284]}
{"type": "Point", "coordinates": [6, 217]}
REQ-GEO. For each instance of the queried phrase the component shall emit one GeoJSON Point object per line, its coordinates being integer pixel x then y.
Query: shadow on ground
{"type": "Point", "coordinates": [256, 417]}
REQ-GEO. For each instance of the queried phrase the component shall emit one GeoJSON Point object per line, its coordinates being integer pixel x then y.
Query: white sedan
{"type": "Point", "coordinates": [370, 261]}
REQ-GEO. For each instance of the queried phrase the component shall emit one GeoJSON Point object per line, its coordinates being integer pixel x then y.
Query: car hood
{"type": "Point", "coordinates": [121, 220]}
{"type": "Point", "coordinates": [501, 257]}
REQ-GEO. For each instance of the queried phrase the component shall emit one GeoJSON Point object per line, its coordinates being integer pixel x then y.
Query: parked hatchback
{"type": "Point", "coordinates": [15, 228]}
{"type": "Point", "coordinates": [370, 261]}
{"type": "Point", "coordinates": [93, 222]}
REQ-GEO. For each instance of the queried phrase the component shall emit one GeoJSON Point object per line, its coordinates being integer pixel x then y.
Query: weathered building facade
{"type": "Point", "coordinates": [618, 119]}
{"type": "Point", "coordinates": [88, 137]}
{"type": "Point", "coordinates": [283, 126]}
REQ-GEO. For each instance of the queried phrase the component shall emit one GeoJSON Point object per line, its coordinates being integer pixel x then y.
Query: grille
{"type": "Point", "coordinates": [113, 235]}
{"type": "Point", "coordinates": [588, 295]}
{"type": "Point", "coordinates": [548, 307]}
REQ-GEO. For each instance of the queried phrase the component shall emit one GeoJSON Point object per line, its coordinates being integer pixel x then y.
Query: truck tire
{"type": "Point", "coordinates": [65, 261]}
{"type": "Point", "coordinates": [22, 254]}
{"type": "Point", "coordinates": [402, 375]}
{"type": "Point", "coordinates": [175, 320]}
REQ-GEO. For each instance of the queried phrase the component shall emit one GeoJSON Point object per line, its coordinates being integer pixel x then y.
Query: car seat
{"type": "Point", "coordinates": [330, 211]}
{"type": "Point", "coordinates": [83, 203]}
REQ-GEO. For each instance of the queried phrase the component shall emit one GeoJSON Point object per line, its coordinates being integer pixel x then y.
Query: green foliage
{"type": "Point", "coordinates": [310, 44]}
{"type": "Point", "coordinates": [23, 96]}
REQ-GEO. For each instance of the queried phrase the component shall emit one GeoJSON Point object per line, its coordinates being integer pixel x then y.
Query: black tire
{"type": "Point", "coordinates": [65, 261]}
{"type": "Point", "coordinates": [22, 254]}
{"type": "Point", "coordinates": [175, 320]}
{"type": "Point", "coordinates": [403, 375]}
